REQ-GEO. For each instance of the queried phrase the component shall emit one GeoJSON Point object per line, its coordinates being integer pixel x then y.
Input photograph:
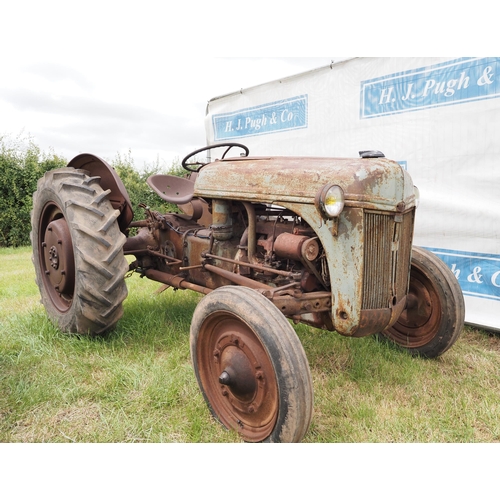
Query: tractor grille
{"type": "Point", "coordinates": [388, 241]}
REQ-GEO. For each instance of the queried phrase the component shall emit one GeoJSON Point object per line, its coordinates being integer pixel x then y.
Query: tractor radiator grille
{"type": "Point", "coordinates": [388, 242]}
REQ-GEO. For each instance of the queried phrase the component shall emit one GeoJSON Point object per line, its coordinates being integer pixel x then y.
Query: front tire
{"type": "Point", "coordinates": [251, 366]}
{"type": "Point", "coordinates": [78, 252]}
{"type": "Point", "coordinates": [435, 312]}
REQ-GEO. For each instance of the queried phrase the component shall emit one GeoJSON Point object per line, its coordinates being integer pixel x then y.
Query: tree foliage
{"type": "Point", "coordinates": [137, 187]}
{"type": "Point", "coordinates": [22, 164]}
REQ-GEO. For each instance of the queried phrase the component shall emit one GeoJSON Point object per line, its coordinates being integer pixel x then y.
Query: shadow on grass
{"type": "Point", "coordinates": [158, 322]}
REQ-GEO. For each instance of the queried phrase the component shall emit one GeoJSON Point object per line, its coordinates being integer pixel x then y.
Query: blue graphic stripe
{"type": "Point", "coordinates": [277, 116]}
{"type": "Point", "coordinates": [454, 82]}
{"type": "Point", "coordinates": [478, 274]}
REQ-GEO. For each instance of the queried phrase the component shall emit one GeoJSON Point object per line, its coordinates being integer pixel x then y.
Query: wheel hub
{"type": "Point", "coordinates": [239, 378]}
{"type": "Point", "coordinates": [417, 324]}
{"type": "Point", "coordinates": [57, 260]}
{"type": "Point", "coordinates": [238, 372]}
{"type": "Point", "coordinates": [53, 257]}
{"type": "Point", "coordinates": [58, 254]}
{"type": "Point", "coordinates": [418, 306]}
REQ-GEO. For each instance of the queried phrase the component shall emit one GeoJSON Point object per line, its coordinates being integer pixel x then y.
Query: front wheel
{"type": "Point", "coordinates": [251, 366]}
{"type": "Point", "coordinates": [78, 252]}
{"type": "Point", "coordinates": [435, 309]}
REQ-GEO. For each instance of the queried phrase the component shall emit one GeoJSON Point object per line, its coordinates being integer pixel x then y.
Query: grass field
{"type": "Point", "coordinates": [137, 384]}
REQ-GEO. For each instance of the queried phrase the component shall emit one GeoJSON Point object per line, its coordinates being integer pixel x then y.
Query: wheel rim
{"type": "Point", "coordinates": [56, 258]}
{"type": "Point", "coordinates": [419, 321]}
{"type": "Point", "coordinates": [237, 376]}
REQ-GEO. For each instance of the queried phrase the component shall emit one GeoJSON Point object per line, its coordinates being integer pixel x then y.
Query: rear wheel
{"type": "Point", "coordinates": [78, 252]}
{"type": "Point", "coordinates": [435, 310]}
{"type": "Point", "coordinates": [250, 366]}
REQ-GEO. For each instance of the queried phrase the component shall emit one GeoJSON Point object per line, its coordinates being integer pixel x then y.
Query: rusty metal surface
{"type": "Point", "coordinates": [118, 195]}
{"type": "Point", "coordinates": [289, 246]}
{"type": "Point", "coordinates": [267, 269]}
{"type": "Point", "coordinates": [293, 306]}
{"type": "Point", "coordinates": [387, 258]}
{"type": "Point", "coordinates": [377, 320]}
{"type": "Point", "coordinates": [143, 240]}
{"type": "Point", "coordinates": [172, 188]}
{"type": "Point", "coordinates": [175, 281]}
{"type": "Point", "coordinates": [238, 376]}
{"type": "Point", "coordinates": [56, 257]}
{"type": "Point", "coordinates": [418, 322]}
{"type": "Point", "coordinates": [378, 183]}
{"type": "Point", "coordinates": [360, 258]}
{"type": "Point", "coordinates": [222, 223]}
{"type": "Point", "coordinates": [367, 255]}
{"type": "Point", "coordinates": [235, 278]}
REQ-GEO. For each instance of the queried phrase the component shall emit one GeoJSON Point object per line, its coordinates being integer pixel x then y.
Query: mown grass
{"type": "Point", "coordinates": [137, 384]}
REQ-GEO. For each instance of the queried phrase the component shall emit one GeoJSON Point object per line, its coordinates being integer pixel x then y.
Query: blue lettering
{"type": "Point", "coordinates": [452, 82]}
{"type": "Point", "coordinates": [264, 119]}
{"type": "Point", "coordinates": [478, 274]}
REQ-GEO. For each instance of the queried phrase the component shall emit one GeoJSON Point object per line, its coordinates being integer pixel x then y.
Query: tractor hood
{"type": "Point", "coordinates": [374, 183]}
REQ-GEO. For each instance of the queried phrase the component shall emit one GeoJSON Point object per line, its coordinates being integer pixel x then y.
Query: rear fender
{"type": "Point", "coordinates": [109, 180]}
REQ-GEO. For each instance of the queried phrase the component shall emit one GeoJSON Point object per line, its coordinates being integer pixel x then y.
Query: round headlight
{"type": "Point", "coordinates": [331, 200]}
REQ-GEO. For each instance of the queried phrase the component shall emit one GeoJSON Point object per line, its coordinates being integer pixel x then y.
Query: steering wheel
{"type": "Point", "coordinates": [229, 145]}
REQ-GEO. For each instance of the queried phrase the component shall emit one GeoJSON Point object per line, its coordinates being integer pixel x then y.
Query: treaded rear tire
{"type": "Point", "coordinates": [78, 252]}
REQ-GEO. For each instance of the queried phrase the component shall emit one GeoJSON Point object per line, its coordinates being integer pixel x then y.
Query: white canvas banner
{"type": "Point", "coordinates": [438, 117]}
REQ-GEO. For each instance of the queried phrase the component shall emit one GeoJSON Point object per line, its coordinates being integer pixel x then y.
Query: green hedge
{"type": "Point", "coordinates": [22, 164]}
{"type": "Point", "coordinates": [137, 188]}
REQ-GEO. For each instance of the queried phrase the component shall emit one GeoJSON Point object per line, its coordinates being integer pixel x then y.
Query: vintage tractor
{"type": "Point", "coordinates": [321, 241]}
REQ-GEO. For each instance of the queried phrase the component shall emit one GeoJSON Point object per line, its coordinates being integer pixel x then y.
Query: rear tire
{"type": "Point", "coordinates": [251, 366]}
{"type": "Point", "coordinates": [435, 312]}
{"type": "Point", "coordinates": [78, 252]}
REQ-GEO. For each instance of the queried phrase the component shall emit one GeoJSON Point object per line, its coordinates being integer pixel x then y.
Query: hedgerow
{"type": "Point", "coordinates": [22, 164]}
{"type": "Point", "coordinates": [137, 188]}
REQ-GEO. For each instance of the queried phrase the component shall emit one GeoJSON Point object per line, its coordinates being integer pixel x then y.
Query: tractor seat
{"type": "Point", "coordinates": [172, 189]}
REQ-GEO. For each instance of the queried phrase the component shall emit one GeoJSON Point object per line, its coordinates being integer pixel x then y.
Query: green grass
{"type": "Point", "coordinates": [137, 384]}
